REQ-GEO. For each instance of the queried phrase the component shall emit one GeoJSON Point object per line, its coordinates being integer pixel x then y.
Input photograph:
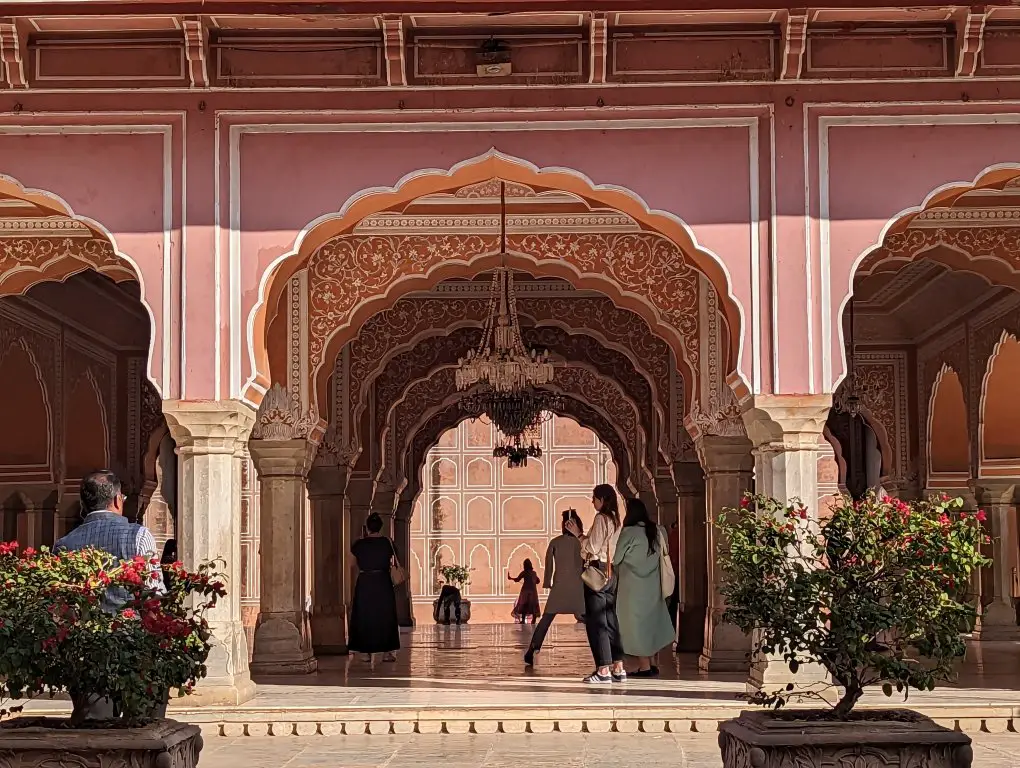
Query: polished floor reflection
{"type": "Point", "coordinates": [482, 666]}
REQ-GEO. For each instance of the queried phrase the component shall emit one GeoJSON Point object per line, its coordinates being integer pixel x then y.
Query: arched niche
{"type": "Point", "coordinates": [1000, 417]}
{"type": "Point", "coordinates": [87, 437]}
{"type": "Point", "coordinates": [483, 579]}
{"type": "Point", "coordinates": [24, 411]}
{"type": "Point", "coordinates": [948, 436]}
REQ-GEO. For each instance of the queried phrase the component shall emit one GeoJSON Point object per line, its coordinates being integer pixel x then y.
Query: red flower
{"type": "Point", "coordinates": [803, 513]}
{"type": "Point", "coordinates": [980, 516]}
{"type": "Point", "coordinates": [128, 613]}
{"type": "Point", "coordinates": [29, 552]}
{"type": "Point", "coordinates": [8, 547]}
{"type": "Point", "coordinates": [744, 503]}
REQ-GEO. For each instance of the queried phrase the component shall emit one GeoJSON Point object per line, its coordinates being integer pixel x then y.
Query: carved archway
{"type": "Point", "coordinates": [443, 417]}
{"type": "Point", "coordinates": [949, 228]}
{"type": "Point", "coordinates": [411, 320]}
{"type": "Point", "coordinates": [419, 361]}
{"type": "Point", "coordinates": [43, 240]}
{"type": "Point", "coordinates": [435, 391]}
{"type": "Point", "coordinates": [648, 271]}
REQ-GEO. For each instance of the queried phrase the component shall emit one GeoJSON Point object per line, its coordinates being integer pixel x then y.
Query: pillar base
{"type": "Point", "coordinates": [217, 694]}
{"type": "Point", "coordinates": [281, 648]}
{"type": "Point", "coordinates": [998, 622]}
{"type": "Point", "coordinates": [723, 661]}
{"type": "Point", "coordinates": [773, 675]}
{"type": "Point", "coordinates": [329, 635]}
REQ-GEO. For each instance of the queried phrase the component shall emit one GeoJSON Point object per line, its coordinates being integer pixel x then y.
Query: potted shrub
{"type": "Point", "coordinates": [875, 594]}
{"type": "Point", "coordinates": [458, 576]}
{"type": "Point", "coordinates": [80, 624]}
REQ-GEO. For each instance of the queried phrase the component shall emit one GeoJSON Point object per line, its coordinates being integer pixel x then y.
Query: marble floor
{"type": "Point", "coordinates": [482, 665]}
{"type": "Point", "coordinates": [554, 750]}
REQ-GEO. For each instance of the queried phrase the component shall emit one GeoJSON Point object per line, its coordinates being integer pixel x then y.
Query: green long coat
{"type": "Point", "coordinates": [645, 628]}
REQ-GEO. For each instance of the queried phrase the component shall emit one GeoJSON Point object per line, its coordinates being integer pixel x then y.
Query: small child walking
{"type": "Point", "coordinates": [527, 602]}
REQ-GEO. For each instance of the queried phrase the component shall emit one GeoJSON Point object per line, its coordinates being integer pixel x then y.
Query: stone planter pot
{"type": "Point", "coordinates": [29, 742]}
{"type": "Point", "coordinates": [903, 739]}
{"type": "Point", "coordinates": [465, 612]}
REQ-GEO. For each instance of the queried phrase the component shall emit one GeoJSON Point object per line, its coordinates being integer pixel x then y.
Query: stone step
{"type": "Point", "coordinates": [233, 722]}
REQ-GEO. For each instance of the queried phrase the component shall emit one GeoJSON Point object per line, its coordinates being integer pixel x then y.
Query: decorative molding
{"type": "Point", "coordinates": [936, 218]}
{"type": "Point", "coordinates": [51, 227]}
{"type": "Point", "coordinates": [598, 46]}
{"type": "Point", "coordinates": [394, 50]}
{"type": "Point", "coordinates": [195, 39]}
{"type": "Point", "coordinates": [279, 419]}
{"type": "Point", "coordinates": [11, 55]}
{"type": "Point", "coordinates": [794, 42]}
{"type": "Point", "coordinates": [970, 40]}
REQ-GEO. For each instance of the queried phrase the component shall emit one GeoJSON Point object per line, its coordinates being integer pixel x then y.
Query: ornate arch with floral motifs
{"type": "Point", "coordinates": [356, 263]}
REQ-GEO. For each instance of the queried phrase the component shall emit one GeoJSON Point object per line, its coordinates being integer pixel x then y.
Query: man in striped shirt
{"type": "Point", "coordinates": [106, 528]}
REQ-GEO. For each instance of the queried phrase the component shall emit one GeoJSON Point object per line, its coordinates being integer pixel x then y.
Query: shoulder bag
{"type": "Point", "coordinates": [667, 577]}
{"type": "Point", "coordinates": [398, 575]}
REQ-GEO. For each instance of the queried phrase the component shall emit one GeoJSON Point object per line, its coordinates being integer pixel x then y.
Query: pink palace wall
{"type": "Point", "coordinates": [145, 168]}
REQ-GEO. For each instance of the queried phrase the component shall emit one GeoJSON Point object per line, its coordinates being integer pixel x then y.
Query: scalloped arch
{"type": "Point", "coordinates": [492, 164]}
{"type": "Point", "coordinates": [121, 267]}
{"type": "Point", "coordinates": [994, 270]}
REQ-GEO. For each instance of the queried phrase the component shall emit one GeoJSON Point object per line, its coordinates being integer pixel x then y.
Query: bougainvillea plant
{"type": "Point", "coordinates": [458, 575]}
{"type": "Point", "coordinates": [55, 635]}
{"type": "Point", "coordinates": [876, 592]}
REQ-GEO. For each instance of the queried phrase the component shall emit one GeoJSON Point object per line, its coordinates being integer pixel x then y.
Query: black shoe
{"type": "Point", "coordinates": [529, 657]}
{"type": "Point", "coordinates": [652, 671]}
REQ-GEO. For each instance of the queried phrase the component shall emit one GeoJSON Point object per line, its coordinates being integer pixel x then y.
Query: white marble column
{"type": "Point", "coordinates": [283, 639]}
{"type": "Point", "coordinates": [998, 617]}
{"type": "Point", "coordinates": [727, 464]}
{"type": "Point", "coordinates": [330, 539]}
{"type": "Point", "coordinates": [208, 435]}
{"type": "Point", "coordinates": [786, 431]}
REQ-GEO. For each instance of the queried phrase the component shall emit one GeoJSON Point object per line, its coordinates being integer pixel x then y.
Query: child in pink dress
{"type": "Point", "coordinates": [527, 602]}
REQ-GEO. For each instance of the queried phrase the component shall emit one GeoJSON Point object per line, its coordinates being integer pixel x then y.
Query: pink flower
{"type": "Point", "coordinates": [981, 516]}
{"type": "Point", "coordinates": [128, 613]}
{"type": "Point", "coordinates": [744, 503]}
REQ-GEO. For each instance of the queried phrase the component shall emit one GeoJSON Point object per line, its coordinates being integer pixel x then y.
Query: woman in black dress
{"type": "Point", "coordinates": [374, 612]}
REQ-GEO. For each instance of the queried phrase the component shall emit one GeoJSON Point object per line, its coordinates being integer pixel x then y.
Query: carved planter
{"type": "Point", "coordinates": [46, 742]}
{"type": "Point", "coordinates": [465, 612]}
{"type": "Point", "coordinates": [876, 739]}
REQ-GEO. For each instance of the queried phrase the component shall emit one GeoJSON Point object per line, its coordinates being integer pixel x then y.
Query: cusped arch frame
{"type": "Point", "coordinates": [365, 374]}
{"type": "Point", "coordinates": [422, 358]}
{"type": "Point", "coordinates": [443, 417]}
{"type": "Point", "coordinates": [25, 346]}
{"type": "Point", "coordinates": [943, 480]}
{"type": "Point", "coordinates": [58, 264]}
{"type": "Point", "coordinates": [993, 467]}
{"type": "Point", "coordinates": [439, 385]}
{"type": "Point", "coordinates": [931, 243]}
{"type": "Point", "coordinates": [492, 164]}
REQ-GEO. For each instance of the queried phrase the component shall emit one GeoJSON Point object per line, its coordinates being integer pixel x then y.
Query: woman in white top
{"type": "Point", "coordinates": [600, 607]}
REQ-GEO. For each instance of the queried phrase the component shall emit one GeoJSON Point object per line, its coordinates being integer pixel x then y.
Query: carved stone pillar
{"type": "Point", "coordinates": [689, 482]}
{"type": "Point", "coordinates": [330, 540]}
{"type": "Point", "coordinates": [786, 431]}
{"type": "Point", "coordinates": [384, 504]}
{"type": "Point", "coordinates": [283, 642]}
{"type": "Point", "coordinates": [728, 464]}
{"type": "Point", "coordinates": [208, 434]}
{"type": "Point", "coordinates": [402, 541]}
{"type": "Point", "coordinates": [998, 619]}
{"type": "Point", "coordinates": [357, 506]}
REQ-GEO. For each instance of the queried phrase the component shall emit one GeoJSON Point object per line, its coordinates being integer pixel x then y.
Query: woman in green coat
{"type": "Point", "coordinates": [645, 628]}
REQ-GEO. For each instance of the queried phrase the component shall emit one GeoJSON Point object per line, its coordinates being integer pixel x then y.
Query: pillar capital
{"type": "Point", "coordinates": [724, 455]}
{"type": "Point", "coordinates": [282, 458]}
{"type": "Point", "coordinates": [995, 490]}
{"type": "Point", "coordinates": [327, 481]}
{"type": "Point", "coordinates": [208, 426]}
{"type": "Point", "coordinates": [688, 478]}
{"type": "Point", "coordinates": [786, 422]}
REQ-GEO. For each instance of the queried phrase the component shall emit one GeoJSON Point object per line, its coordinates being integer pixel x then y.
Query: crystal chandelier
{"type": "Point", "coordinates": [516, 453]}
{"type": "Point", "coordinates": [501, 361]}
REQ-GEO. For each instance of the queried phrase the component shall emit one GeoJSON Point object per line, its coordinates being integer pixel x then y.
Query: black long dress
{"type": "Point", "coordinates": [374, 612]}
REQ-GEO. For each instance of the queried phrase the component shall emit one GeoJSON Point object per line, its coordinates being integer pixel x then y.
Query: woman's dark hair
{"type": "Point", "coordinates": [527, 565]}
{"type": "Point", "coordinates": [610, 505]}
{"type": "Point", "coordinates": [169, 552]}
{"type": "Point", "coordinates": [374, 523]}
{"type": "Point", "coordinates": [637, 514]}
